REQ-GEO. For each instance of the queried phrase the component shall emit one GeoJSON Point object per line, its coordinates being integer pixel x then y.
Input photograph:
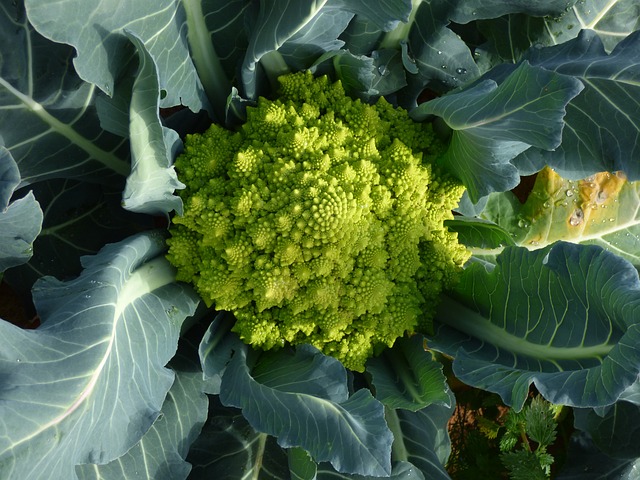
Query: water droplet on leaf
{"type": "Point", "coordinates": [383, 70]}
{"type": "Point", "coordinates": [577, 217]}
{"type": "Point", "coordinates": [461, 71]}
{"type": "Point", "coordinates": [601, 197]}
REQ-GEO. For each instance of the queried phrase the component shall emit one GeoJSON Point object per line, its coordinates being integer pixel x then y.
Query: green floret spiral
{"type": "Point", "coordinates": [319, 221]}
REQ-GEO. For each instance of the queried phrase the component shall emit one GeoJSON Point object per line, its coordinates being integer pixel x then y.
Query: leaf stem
{"type": "Point", "coordinates": [108, 159]}
{"type": "Point", "coordinates": [398, 449]}
{"type": "Point", "coordinates": [262, 442]}
{"type": "Point", "coordinates": [400, 34]}
{"type": "Point", "coordinates": [213, 77]}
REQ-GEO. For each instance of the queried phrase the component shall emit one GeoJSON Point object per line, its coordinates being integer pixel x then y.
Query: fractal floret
{"type": "Point", "coordinates": [319, 221]}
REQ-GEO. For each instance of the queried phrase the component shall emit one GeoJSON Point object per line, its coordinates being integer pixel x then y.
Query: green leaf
{"type": "Point", "coordinates": [229, 447]}
{"type": "Point", "coordinates": [302, 399]}
{"type": "Point", "coordinates": [20, 224]}
{"type": "Point", "coordinates": [216, 349]}
{"type": "Point", "coordinates": [277, 22]}
{"type": "Point", "coordinates": [98, 360]}
{"type": "Point", "coordinates": [283, 20]}
{"type": "Point", "coordinates": [20, 221]}
{"type": "Point", "coordinates": [463, 11]}
{"type": "Point", "coordinates": [320, 35]}
{"type": "Point", "coordinates": [479, 233]}
{"type": "Point", "coordinates": [540, 422]}
{"type": "Point", "coordinates": [48, 119]}
{"type": "Point", "coordinates": [406, 376]}
{"type": "Point", "coordinates": [103, 48]}
{"type": "Point", "coordinates": [592, 140]}
{"type": "Point", "coordinates": [564, 318]}
{"type": "Point", "coordinates": [442, 59]}
{"type": "Point", "coordinates": [150, 186]}
{"type": "Point", "coordinates": [161, 452]}
{"type": "Point", "coordinates": [612, 20]}
{"type": "Point", "coordinates": [422, 438]}
{"type": "Point", "coordinates": [615, 432]}
{"type": "Point", "coordinates": [523, 465]}
{"type": "Point", "coordinates": [301, 465]}
{"type": "Point", "coordinates": [587, 462]}
{"type": "Point", "coordinates": [602, 209]}
{"type": "Point", "coordinates": [493, 123]}
{"type": "Point", "coordinates": [510, 36]}
{"type": "Point", "coordinates": [79, 218]}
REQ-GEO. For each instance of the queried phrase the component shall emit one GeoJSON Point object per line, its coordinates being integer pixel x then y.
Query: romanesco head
{"type": "Point", "coordinates": [319, 221]}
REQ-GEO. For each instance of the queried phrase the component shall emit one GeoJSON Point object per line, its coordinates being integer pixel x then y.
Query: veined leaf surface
{"type": "Point", "coordinates": [230, 448]}
{"type": "Point", "coordinates": [20, 221]}
{"type": "Point", "coordinates": [592, 140]}
{"type": "Point", "coordinates": [161, 453]}
{"type": "Point", "coordinates": [407, 377]}
{"type": "Point", "coordinates": [153, 180]}
{"type": "Point", "coordinates": [86, 385]}
{"type": "Point", "coordinates": [302, 399]}
{"type": "Point", "coordinates": [510, 36]}
{"type": "Point", "coordinates": [493, 123]}
{"type": "Point", "coordinates": [566, 318]}
{"type": "Point", "coordinates": [602, 209]}
{"type": "Point", "coordinates": [48, 120]}
{"type": "Point", "coordinates": [103, 48]}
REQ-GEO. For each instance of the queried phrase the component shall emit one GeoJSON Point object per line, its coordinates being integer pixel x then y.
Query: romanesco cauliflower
{"type": "Point", "coordinates": [319, 221]}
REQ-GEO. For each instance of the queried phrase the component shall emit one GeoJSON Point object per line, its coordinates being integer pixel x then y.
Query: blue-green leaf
{"type": "Point", "coordinates": [103, 48]}
{"type": "Point", "coordinates": [216, 349]}
{"type": "Point", "coordinates": [48, 119]}
{"type": "Point", "coordinates": [493, 123]}
{"type": "Point", "coordinates": [283, 20]}
{"type": "Point", "coordinates": [78, 219]}
{"type": "Point", "coordinates": [277, 22]}
{"type": "Point", "coordinates": [302, 399]}
{"type": "Point", "coordinates": [422, 437]}
{"type": "Point", "coordinates": [592, 140]}
{"type": "Point", "coordinates": [615, 432]}
{"type": "Point", "coordinates": [611, 20]}
{"type": "Point", "coordinates": [586, 462]}
{"type": "Point", "coordinates": [464, 11]}
{"type": "Point", "coordinates": [301, 465]}
{"type": "Point", "coordinates": [510, 36]}
{"type": "Point", "coordinates": [442, 59]}
{"type": "Point", "coordinates": [20, 224]}
{"type": "Point", "coordinates": [479, 234]}
{"type": "Point", "coordinates": [9, 177]}
{"type": "Point", "coordinates": [161, 453]}
{"type": "Point", "coordinates": [20, 221]}
{"type": "Point", "coordinates": [565, 318]}
{"type": "Point", "coordinates": [86, 385]}
{"type": "Point", "coordinates": [406, 376]}
{"type": "Point", "coordinates": [151, 185]}
{"type": "Point", "coordinates": [320, 35]}
{"type": "Point", "coordinates": [229, 447]}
